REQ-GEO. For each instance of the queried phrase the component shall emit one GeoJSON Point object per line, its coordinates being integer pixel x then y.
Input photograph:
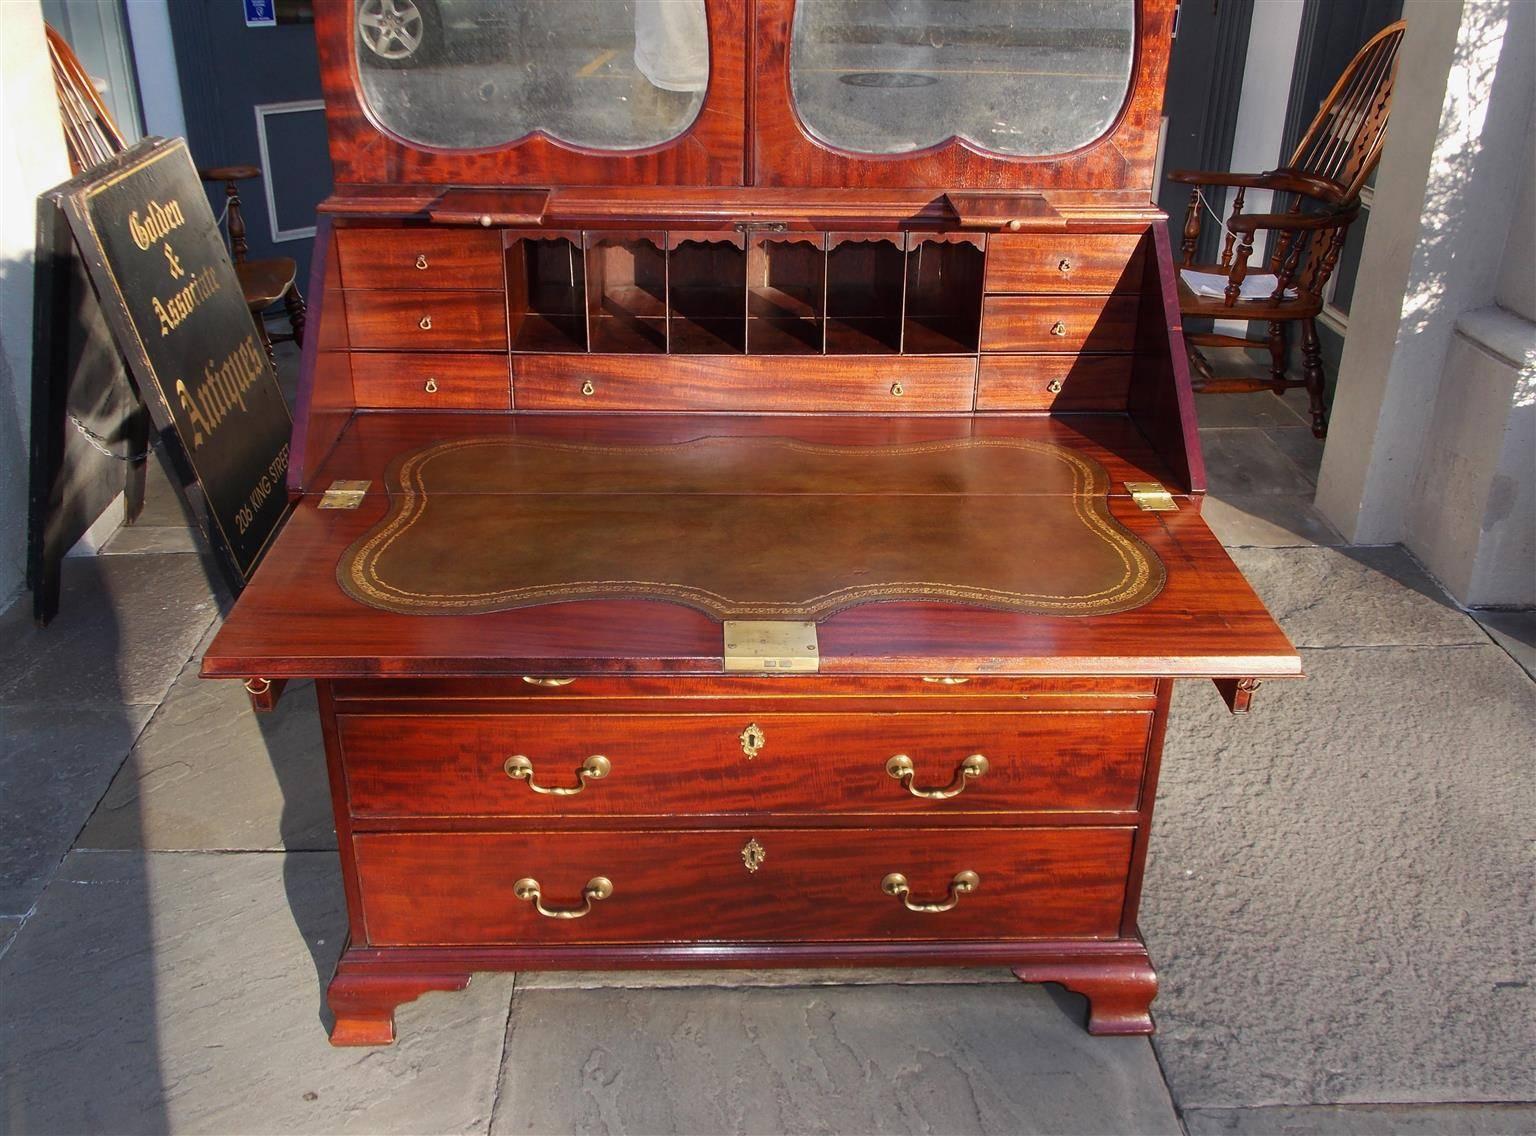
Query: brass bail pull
{"type": "Point", "coordinates": [421, 260]}
{"type": "Point", "coordinates": [598, 888]}
{"type": "Point", "coordinates": [1059, 328]}
{"type": "Point", "coordinates": [426, 323]}
{"type": "Point", "coordinates": [1064, 266]}
{"type": "Point", "coordinates": [900, 768]}
{"type": "Point", "coordinates": [431, 387]}
{"type": "Point", "coordinates": [595, 768]}
{"type": "Point", "coordinates": [963, 884]}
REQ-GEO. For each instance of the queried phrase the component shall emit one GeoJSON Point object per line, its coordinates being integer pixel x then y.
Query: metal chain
{"type": "Point", "coordinates": [99, 444]}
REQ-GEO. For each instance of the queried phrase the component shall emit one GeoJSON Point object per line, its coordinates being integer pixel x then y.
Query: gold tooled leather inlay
{"type": "Point", "coordinates": [749, 528]}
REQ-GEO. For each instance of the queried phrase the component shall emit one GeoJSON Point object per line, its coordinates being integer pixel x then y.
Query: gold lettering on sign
{"type": "Point", "coordinates": [222, 389]}
{"type": "Point", "coordinates": [158, 221]}
{"type": "Point", "coordinates": [174, 311]}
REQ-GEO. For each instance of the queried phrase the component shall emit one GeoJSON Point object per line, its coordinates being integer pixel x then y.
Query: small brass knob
{"type": "Point", "coordinates": [1064, 266]}
{"type": "Point", "coordinates": [485, 220]}
{"type": "Point", "coordinates": [1058, 328]}
{"type": "Point", "coordinates": [431, 386]}
{"type": "Point", "coordinates": [1054, 386]}
{"type": "Point", "coordinates": [421, 260]}
{"type": "Point", "coordinates": [1015, 224]}
{"type": "Point", "coordinates": [588, 389]}
{"type": "Point", "coordinates": [426, 323]}
{"type": "Point", "coordinates": [898, 390]}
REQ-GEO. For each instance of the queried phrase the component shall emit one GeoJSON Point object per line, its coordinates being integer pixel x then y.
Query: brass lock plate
{"type": "Point", "coordinates": [344, 494]}
{"type": "Point", "coordinates": [756, 646]}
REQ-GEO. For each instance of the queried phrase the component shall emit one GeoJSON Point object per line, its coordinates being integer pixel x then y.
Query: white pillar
{"type": "Point", "coordinates": [1447, 201]}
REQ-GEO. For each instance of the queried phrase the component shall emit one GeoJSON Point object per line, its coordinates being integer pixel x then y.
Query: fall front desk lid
{"type": "Point", "coordinates": [749, 528]}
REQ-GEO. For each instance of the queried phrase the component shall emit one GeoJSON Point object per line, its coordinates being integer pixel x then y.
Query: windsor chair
{"type": "Point", "coordinates": [263, 282]}
{"type": "Point", "coordinates": [1322, 182]}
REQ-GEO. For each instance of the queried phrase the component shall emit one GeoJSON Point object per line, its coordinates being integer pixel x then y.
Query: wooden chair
{"type": "Point", "coordinates": [1323, 180]}
{"type": "Point", "coordinates": [89, 132]}
{"type": "Point", "coordinates": [264, 282]}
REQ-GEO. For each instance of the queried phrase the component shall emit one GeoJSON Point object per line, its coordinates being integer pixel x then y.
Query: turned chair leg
{"type": "Point", "coordinates": [266, 340]}
{"type": "Point", "coordinates": [1312, 373]}
{"type": "Point", "coordinates": [1277, 351]}
{"type": "Point", "coordinates": [293, 304]}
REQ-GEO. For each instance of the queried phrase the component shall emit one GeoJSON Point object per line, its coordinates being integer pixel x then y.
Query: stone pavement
{"type": "Point", "coordinates": [1339, 899]}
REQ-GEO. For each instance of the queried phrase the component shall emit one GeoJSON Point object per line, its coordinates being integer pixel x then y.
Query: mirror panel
{"type": "Point", "coordinates": [469, 74]}
{"type": "Point", "coordinates": [1013, 77]}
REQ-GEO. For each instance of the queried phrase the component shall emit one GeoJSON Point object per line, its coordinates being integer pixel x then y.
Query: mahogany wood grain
{"type": "Point", "coordinates": [673, 766]}
{"type": "Point", "coordinates": [1054, 382]}
{"type": "Point", "coordinates": [364, 153]}
{"type": "Point", "coordinates": [1161, 399]}
{"type": "Point", "coordinates": [1111, 973]}
{"type": "Point", "coordinates": [427, 321]}
{"type": "Point", "coordinates": [1059, 323]}
{"type": "Point", "coordinates": [421, 889]}
{"type": "Point", "coordinates": [756, 384]}
{"type": "Point", "coordinates": [403, 380]}
{"type": "Point", "coordinates": [420, 258]}
{"type": "Point", "coordinates": [1066, 262]}
{"type": "Point", "coordinates": [784, 153]}
{"type": "Point", "coordinates": [326, 399]}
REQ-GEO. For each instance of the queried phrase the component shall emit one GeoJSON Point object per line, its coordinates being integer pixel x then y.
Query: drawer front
{"type": "Point", "coordinates": [741, 885]}
{"type": "Point", "coordinates": [427, 321]}
{"type": "Point", "coordinates": [404, 380]}
{"type": "Point", "coordinates": [1064, 263]}
{"type": "Point", "coordinates": [419, 259]}
{"type": "Point", "coordinates": [909, 385]}
{"type": "Point", "coordinates": [1059, 323]}
{"type": "Point", "coordinates": [714, 764]}
{"type": "Point", "coordinates": [1054, 382]}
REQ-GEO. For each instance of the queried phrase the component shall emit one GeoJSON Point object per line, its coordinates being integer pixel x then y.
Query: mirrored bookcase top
{"type": "Point", "coordinates": [464, 74]}
{"type": "Point", "coordinates": [1015, 77]}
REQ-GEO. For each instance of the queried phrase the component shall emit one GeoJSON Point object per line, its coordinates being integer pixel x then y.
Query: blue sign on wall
{"type": "Point", "coordinates": [261, 13]}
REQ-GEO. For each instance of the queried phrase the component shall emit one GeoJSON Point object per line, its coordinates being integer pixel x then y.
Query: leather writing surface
{"type": "Point", "coordinates": [765, 528]}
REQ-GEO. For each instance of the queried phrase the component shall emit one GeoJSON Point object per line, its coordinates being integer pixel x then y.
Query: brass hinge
{"type": "Point", "coordinates": [770, 647]}
{"type": "Point", "coordinates": [344, 494]}
{"type": "Point", "coordinates": [1151, 496]}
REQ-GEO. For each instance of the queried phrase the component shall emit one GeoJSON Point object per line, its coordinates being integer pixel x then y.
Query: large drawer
{"type": "Point", "coordinates": [715, 764]}
{"type": "Point", "coordinates": [741, 885]}
{"type": "Point", "coordinates": [419, 258]}
{"type": "Point", "coordinates": [427, 321]}
{"type": "Point", "coordinates": [407, 380]}
{"type": "Point", "coordinates": [1059, 323]}
{"type": "Point", "coordinates": [1062, 262]}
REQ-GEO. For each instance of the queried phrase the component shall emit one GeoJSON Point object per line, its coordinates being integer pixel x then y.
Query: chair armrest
{"type": "Point", "coordinates": [1292, 222]}
{"type": "Point", "coordinates": [1219, 177]}
{"type": "Point", "coordinates": [1283, 180]}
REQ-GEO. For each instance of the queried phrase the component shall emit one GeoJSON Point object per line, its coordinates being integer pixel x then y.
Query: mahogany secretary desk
{"type": "Point", "coordinates": [748, 499]}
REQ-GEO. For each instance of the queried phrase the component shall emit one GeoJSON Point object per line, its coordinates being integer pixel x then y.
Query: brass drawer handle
{"type": "Point", "coordinates": [588, 389]}
{"type": "Point", "coordinates": [431, 386]}
{"type": "Point", "coordinates": [534, 680]}
{"type": "Point", "coordinates": [421, 260]}
{"type": "Point", "coordinates": [900, 768]}
{"type": "Point", "coordinates": [752, 740]}
{"type": "Point", "coordinates": [898, 390]}
{"type": "Point", "coordinates": [426, 323]}
{"type": "Point", "coordinates": [1054, 386]}
{"type": "Point", "coordinates": [947, 680]}
{"type": "Point", "coordinates": [1059, 328]}
{"type": "Point", "coordinates": [1064, 266]}
{"type": "Point", "coordinates": [595, 768]}
{"type": "Point", "coordinates": [963, 884]}
{"type": "Point", "coordinates": [598, 887]}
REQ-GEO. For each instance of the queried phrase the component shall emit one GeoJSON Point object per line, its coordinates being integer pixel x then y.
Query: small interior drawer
{"type": "Point", "coordinates": [1079, 262]}
{"type": "Point", "coordinates": [1059, 324]}
{"type": "Point", "coordinates": [419, 258]}
{"type": "Point", "coordinates": [1054, 382]}
{"type": "Point", "coordinates": [427, 321]}
{"type": "Point", "coordinates": [431, 381]}
{"type": "Point", "coordinates": [762, 885]}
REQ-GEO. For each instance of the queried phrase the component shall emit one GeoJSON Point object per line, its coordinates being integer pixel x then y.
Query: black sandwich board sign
{"type": "Point", "coordinates": [161, 270]}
